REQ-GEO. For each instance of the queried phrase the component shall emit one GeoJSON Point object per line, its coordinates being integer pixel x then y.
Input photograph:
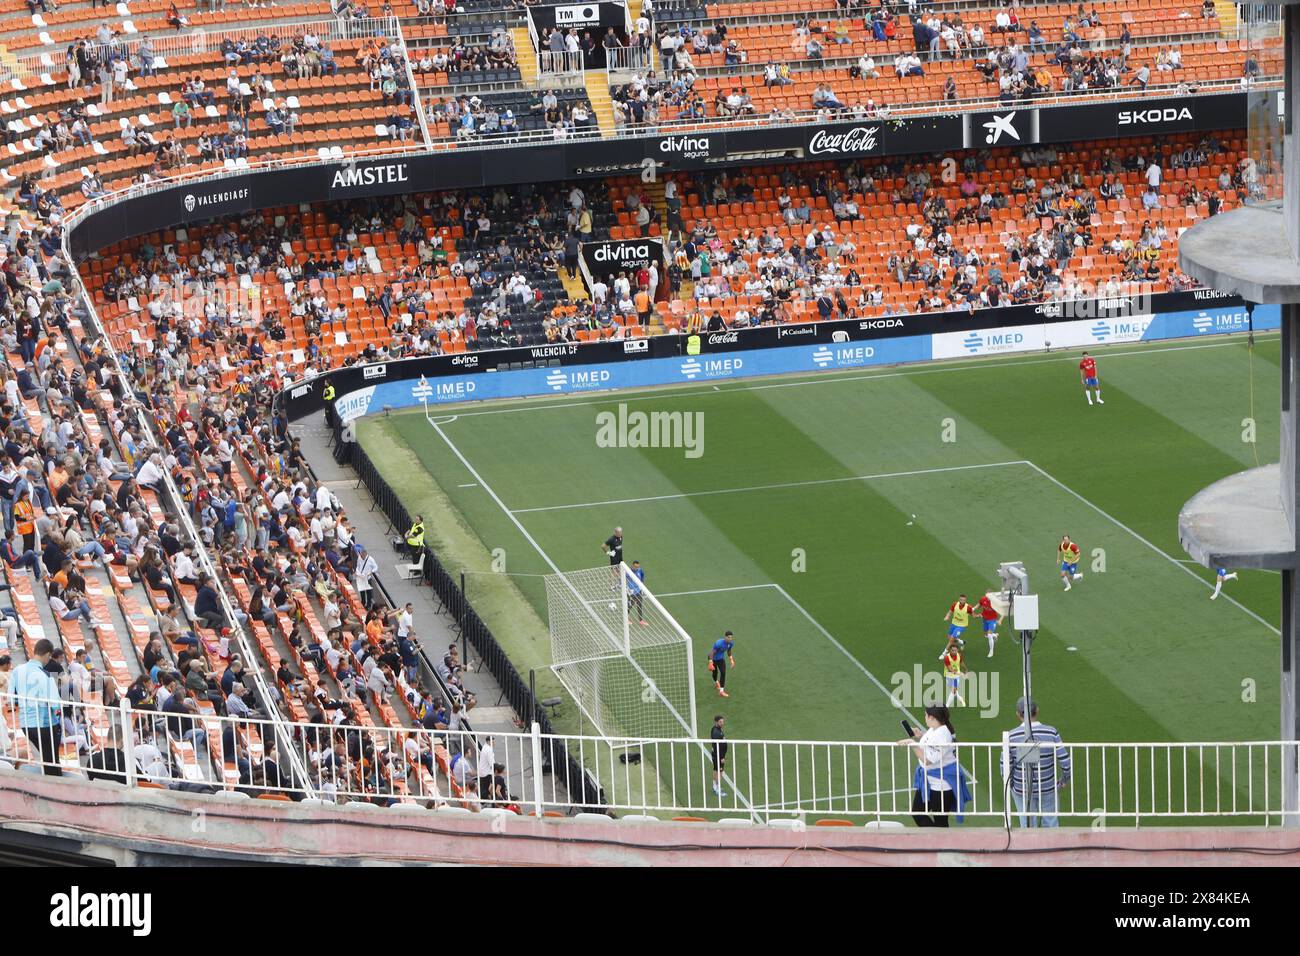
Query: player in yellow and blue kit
{"type": "Point", "coordinates": [1068, 554]}
{"type": "Point", "coordinates": [954, 669]}
{"type": "Point", "coordinates": [959, 612]}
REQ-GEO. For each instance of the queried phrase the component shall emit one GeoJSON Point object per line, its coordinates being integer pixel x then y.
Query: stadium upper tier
{"type": "Point", "coordinates": [93, 103]}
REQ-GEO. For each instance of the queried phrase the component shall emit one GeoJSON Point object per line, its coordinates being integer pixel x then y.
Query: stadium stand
{"type": "Point", "coordinates": [778, 61]}
{"type": "Point", "coordinates": [444, 273]}
{"type": "Point", "coordinates": [206, 323]}
{"type": "Point", "coordinates": [118, 114]}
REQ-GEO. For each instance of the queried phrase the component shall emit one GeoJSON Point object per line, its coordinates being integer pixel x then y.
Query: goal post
{"type": "Point", "coordinates": [623, 658]}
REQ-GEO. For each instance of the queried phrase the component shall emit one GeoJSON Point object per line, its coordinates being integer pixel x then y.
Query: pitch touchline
{"type": "Point", "coordinates": [772, 487]}
{"type": "Point", "coordinates": [829, 379]}
{"type": "Point", "coordinates": [815, 623]}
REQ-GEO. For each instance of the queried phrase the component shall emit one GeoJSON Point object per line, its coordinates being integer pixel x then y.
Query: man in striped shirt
{"type": "Point", "coordinates": [1039, 765]}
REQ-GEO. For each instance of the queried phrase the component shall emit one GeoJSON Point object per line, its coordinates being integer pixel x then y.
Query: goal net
{"type": "Point", "coordinates": [620, 654]}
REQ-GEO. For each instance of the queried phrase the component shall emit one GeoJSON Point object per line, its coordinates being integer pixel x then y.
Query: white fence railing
{"type": "Point", "coordinates": [762, 781]}
{"type": "Point", "coordinates": [629, 59]}
{"type": "Point", "coordinates": [565, 62]}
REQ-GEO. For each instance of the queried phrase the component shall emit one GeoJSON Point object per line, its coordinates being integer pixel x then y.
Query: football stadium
{"type": "Point", "coordinates": [648, 433]}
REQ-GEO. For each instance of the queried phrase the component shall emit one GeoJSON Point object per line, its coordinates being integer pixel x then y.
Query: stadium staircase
{"type": "Point", "coordinates": [1226, 10]}
{"type": "Point", "coordinates": [602, 106]}
{"type": "Point", "coordinates": [575, 288]}
{"type": "Point", "coordinates": [653, 193]}
{"type": "Point", "coordinates": [525, 56]}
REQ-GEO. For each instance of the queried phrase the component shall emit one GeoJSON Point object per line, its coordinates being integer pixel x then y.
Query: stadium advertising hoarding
{"type": "Point", "coordinates": [201, 200]}
{"type": "Point", "coordinates": [605, 260]}
{"type": "Point", "coordinates": [622, 375]}
{"type": "Point", "coordinates": [769, 350]}
{"type": "Point", "coordinates": [805, 357]}
{"type": "Point", "coordinates": [596, 17]}
{"type": "Point", "coordinates": [1113, 330]}
{"type": "Point", "coordinates": [1146, 117]}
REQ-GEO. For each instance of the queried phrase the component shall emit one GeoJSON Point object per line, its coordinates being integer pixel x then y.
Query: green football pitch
{"type": "Point", "coordinates": [831, 519]}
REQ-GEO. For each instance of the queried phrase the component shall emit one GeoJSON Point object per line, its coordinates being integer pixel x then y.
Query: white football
{"type": "Point", "coordinates": [612, 605]}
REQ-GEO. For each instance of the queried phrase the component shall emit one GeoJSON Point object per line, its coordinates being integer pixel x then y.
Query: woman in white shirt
{"type": "Point", "coordinates": [939, 784]}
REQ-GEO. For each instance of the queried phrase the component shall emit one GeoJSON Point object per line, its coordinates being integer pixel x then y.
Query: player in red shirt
{"type": "Point", "coordinates": [991, 621]}
{"type": "Point", "coordinates": [1088, 375]}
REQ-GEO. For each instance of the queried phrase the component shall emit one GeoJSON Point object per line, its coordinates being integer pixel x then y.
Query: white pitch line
{"type": "Point", "coordinates": [544, 556]}
{"type": "Point", "coordinates": [1168, 557]}
{"type": "Point", "coordinates": [738, 587]}
{"type": "Point", "coordinates": [845, 651]}
{"type": "Point", "coordinates": [772, 487]}
{"type": "Point", "coordinates": [1197, 564]}
{"type": "Point", "coordinates": [812, 378]}
{"type": "Point", "coordinates": [811, 620]}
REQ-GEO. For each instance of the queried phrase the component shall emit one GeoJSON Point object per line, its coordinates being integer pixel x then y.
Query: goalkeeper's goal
{"type": "Point", "coordinates": [621, 656]}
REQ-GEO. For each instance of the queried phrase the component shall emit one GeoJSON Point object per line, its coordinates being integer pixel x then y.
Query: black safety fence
{"type": "Point", "coordinates": [448, 587]}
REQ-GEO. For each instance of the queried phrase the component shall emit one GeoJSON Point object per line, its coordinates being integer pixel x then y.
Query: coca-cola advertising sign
{"type": "Point", "coordinates": [854, 141]}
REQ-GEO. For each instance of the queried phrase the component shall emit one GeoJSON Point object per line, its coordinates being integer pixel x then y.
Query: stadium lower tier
{"type": "Point", "coordinates": [315, 287]}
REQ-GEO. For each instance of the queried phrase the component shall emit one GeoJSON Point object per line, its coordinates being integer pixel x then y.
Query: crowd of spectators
{"type": "Point", "coordinates": [1030, 264]}
{"type": "Point", "coordinates": [498, 53]}
{"type": "Point", "coordinates": [80, 484]}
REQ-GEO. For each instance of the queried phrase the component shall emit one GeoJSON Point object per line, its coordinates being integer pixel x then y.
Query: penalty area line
{"type": "Point", "coordinates": [815, 623]}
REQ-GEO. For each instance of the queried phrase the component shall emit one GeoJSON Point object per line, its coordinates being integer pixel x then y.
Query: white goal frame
{"type": "Point", "coordinates": [590, 643]}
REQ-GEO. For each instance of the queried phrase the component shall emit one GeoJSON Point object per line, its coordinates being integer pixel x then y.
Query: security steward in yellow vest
{"type": "Point", "coordinates": [328, 396]}
{"type": "Point", "coordinates": [415, 538]}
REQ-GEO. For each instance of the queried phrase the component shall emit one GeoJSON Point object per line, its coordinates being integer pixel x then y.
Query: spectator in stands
{"type": "Point", "coordinates": [71, 604]}
{"type": "Point", "coordinates": [37, 699]}
{"type": "Point", "coordinates": [207, 606]}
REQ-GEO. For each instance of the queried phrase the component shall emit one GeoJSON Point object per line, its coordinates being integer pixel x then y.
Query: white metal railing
{"type": "Point", "coordinates": [565, 62]}
{"type": "Point", "coordinates": [629, 59]}
{"type": "Point", "coordinates": [1258, 21]}
{"type": "Point", "coordinates": [416, 103]}
{"type": "Point", "coordinates": [860, 114]}
{"type": "Point", "coordinates": [1077, 784]}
